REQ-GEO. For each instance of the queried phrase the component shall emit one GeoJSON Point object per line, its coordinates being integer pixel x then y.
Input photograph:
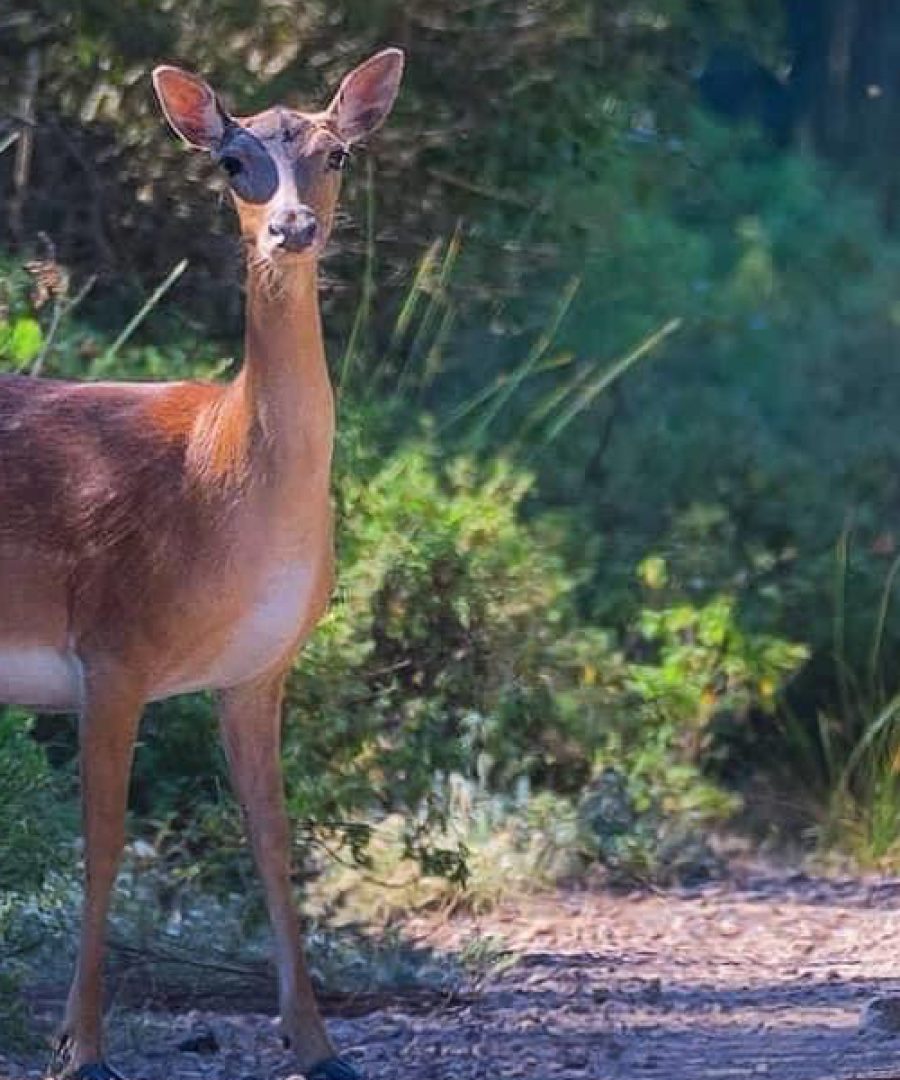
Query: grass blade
{"type": "Point", "coordinates": [158, 293]}
{"type": "Point", "coordinates": [536, 354]}
{"type": "Point", "coordinates": [364, 307]}
{"type": "Point", "coordinates": [839, 643]}
{"type": "Point", "coordinates": [461, 411]}
{"type": "Point", "coordinates": [8, 140]}
{"type": "Point", "coordinates": [880, 622]}
{"type": "Point", "coordinates": [618, 369]}
{"type": "Point", "coordinates": [436, 300]}
{"type": "Point", "coordinates": [436, 349]}
{"type": "Point", "coordinates": [872, 732]}
{"type": "Point", "coordinates": [417, 288]}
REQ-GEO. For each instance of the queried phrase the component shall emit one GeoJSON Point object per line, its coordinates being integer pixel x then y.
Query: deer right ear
{"type": "Point", "coordinates": [190, 107]}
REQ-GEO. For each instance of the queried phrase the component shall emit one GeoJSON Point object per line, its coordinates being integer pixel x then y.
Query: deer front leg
{"type": "Point", "coordinates": [107, 731]}
{"type": "Point", "coordinates": [251, 731]}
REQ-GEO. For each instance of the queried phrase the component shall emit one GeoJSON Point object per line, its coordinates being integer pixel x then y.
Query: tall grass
{"type": "Point", "coordinates": [422, 334]}
{"type": "Point", "coordinates": [106, 361]}
{"type": "Point", "coordinates": [848, 763]}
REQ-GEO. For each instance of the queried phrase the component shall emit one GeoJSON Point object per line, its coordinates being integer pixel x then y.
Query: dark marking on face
{"type": "Point", "coordinates": [251, 171]}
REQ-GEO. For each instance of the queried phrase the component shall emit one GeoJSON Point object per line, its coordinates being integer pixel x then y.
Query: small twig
{"type": "Point", "coordinates": [162, 956]}
{"type": "Point", "coordinates": [364, 874]}
{"type": "Point", "coordinates": [61, 308]}
{"type": "Point", "coordinates": [145, 309]}
{"type": "Point", "coordinates": [312, 825]}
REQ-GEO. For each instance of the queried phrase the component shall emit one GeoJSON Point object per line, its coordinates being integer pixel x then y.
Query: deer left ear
{"type": "Point", "coordinates": [190, 106]}
{"type": "Point", "coordinates": [366, 96]}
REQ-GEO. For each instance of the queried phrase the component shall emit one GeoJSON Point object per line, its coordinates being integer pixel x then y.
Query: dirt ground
{"type": "Point", "coordinates": [766, 976]}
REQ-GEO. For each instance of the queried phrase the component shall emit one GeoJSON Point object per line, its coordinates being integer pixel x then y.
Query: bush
{"type": "Point", "coordinates": [441, 653]}
{"type": "Point", "coordinates": [37, 829]}
{"type": "Point", "coordinates": [33, 822]}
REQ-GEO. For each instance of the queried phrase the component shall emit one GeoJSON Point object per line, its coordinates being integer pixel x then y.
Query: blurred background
{"type": "Point", "coordinates": [613, 314]}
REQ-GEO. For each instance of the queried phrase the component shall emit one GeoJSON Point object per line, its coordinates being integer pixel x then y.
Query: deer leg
{"type": "Point", "coordinates": [107, 731]}
{"type": "Point", "coordinates": [251, 730]}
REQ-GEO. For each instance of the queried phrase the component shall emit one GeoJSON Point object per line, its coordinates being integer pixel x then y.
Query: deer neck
{"type": "Point", "coordinates": [285, 386]}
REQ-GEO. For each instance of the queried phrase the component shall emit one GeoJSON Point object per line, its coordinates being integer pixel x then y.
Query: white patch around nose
{"type": "Point", "coordinates": [284, 200]}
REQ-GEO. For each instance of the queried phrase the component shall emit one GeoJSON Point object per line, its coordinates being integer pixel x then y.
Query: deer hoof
{"type": "Point", "coordinates": [333, 1068]}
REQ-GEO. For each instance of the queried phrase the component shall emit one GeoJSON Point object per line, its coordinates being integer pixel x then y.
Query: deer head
{"type": "Point", "coordinates": [283, 166]}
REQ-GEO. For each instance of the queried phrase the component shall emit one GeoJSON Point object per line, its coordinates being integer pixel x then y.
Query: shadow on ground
{"type": "Point", "coordinates": [767, 978]}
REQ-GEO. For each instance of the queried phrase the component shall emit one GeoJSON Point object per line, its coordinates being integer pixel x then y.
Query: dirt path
{"type": "Point", "coordinates": [762, 978]}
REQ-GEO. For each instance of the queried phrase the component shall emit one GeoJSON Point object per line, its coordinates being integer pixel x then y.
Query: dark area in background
{"type": "Point", "coordinates": [833, 82]}
{"type": "Point", "coordinates": [836, 91]}
{"type": "Point", "coordinates": [97, 173]}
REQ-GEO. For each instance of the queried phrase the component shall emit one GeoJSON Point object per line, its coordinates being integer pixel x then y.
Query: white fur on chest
{"type": "Point", "coordinates": [39, 677]}
{"type": "Point", "coordinates": [44, 677]}
{"type": "Point", "coordinates": [269, 628]}
{"type": "Point", "coordinates": [266, 630]}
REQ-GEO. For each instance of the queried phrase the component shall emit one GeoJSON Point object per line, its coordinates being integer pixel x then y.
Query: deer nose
{"type": "Point", "coordinates": [295, 229]}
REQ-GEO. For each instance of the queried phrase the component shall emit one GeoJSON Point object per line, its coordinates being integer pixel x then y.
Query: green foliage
{"type": "Point", "coordinates": [20, 340]}
{"type": "Point", "coordinates": [439, 652]}
{"type": "Point", "coordinates": [683, 669]}
{"type": "Point", "coordinates": [846, 761]}
{"type": "Point", "coordinates": [704, 661]}
{"type": "Point", "coordinates": [37, 830]}
{"type": "Point", "coordinates": [21, 335]}
{"type": "Point", "coordinates": [32, 824]}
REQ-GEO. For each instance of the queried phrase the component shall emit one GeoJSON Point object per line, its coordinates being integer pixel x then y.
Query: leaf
{"type": "Point", "coordinates": [25, 340]}
{"type": "Point", "coordinates": [653, 572]}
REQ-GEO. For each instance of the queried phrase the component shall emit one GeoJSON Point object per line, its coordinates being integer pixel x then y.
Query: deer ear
{"type": "Point", "coordinates": [366, 96]}
{"type": "Point", "coordinates": [190, 107]}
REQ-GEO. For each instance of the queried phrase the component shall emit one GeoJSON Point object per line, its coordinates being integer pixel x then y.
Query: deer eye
{"type": "Point", "coordinates": [337, 159]}
{"type": "Point", "coordinates": [231, 165]}
{"type": "Point", "coordinates": [249, 167]}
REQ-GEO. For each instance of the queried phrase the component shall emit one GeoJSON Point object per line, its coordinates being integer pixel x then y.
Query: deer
{"type": "Point", "coordinates": [163, 538]}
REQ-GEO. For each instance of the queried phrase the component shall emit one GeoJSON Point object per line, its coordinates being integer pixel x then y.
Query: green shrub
{"type": "Point", "coordinates": [680, 673]}
{"type": "Point", "coordinates": [37, 831]}
{"type": "Point", "coordinates": [441, 651]}
{"type": "Point", "coordinates": [33, 824]}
